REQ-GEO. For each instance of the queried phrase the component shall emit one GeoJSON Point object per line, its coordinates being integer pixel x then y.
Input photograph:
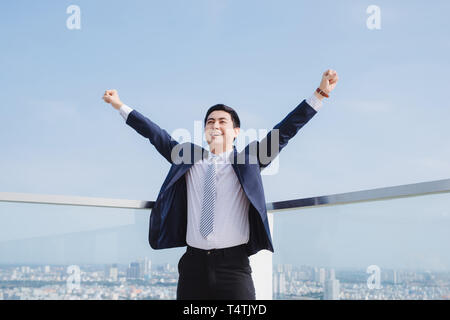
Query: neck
{"type": "Point", "coordinates": [218, 149]}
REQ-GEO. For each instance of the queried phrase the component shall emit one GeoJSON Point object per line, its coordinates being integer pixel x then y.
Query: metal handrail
{"type": "Point", "coordinates": [378, 194]}
{"type": "Point", "coordinates": [75, 201]}
{"type": "Point", "coordinates": [385, 193]}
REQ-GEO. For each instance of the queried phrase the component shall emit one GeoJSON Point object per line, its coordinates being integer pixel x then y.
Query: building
{"type": "Point", "coordinates": [331, 288]}
{"type": "Point", "coordinates": [145, 266]}
{"type": "Point", "coordinates": [134, 271]}
{"type": "Point", "coordinates": [279, 284]}
{"type": "Point", "coordinates": [319, 275]}
{"type": "Point", "coordinates": [112, 272]}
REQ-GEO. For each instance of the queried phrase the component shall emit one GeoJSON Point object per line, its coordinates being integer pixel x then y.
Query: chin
{"type": "Point", "coordinates": [217, 140]}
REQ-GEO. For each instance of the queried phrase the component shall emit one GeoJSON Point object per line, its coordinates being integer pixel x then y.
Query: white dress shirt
{"type": "Point", "coordinates": [231, 225]}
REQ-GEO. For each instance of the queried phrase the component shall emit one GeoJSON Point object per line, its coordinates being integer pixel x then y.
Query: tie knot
{"type": "Point", "coordinates": [214, 158]}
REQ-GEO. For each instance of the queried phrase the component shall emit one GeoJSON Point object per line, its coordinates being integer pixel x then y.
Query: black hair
{"type": "Point", "coordinates": [222, 107]}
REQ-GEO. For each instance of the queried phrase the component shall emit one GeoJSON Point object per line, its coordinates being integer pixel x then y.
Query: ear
{"type": "Point", "coordinates": [237, 131]}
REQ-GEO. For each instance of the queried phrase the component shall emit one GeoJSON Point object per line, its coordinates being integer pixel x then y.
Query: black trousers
{"type": "Point", "coordinates": [223, 274]}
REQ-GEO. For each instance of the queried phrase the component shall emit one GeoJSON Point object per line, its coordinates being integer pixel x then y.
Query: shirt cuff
{"type": "Point", "coordinates": [125, 111]}
{"type": "Point", "coordinates": [314, 102]}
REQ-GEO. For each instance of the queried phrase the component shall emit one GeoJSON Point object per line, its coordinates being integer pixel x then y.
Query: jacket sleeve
{"type": "Point", "coordinates": [271, 145]}
{"type": "Point", "coordinates": [162, 141]}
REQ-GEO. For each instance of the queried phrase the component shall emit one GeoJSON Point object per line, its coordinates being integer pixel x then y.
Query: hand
{"type": "Point", "coordinates": [112, 97]}
{"type": "Point", "coordinates": [329, 81]}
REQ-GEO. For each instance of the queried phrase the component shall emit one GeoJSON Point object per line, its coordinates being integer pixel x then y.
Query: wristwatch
{"type": "Point", "coordinates": [322, 93]}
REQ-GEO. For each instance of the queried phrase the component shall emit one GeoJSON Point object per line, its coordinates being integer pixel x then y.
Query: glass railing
{"type": "Point", "coordinates": [392, 249]}
{"type": "Point", "coordinates": [72, 252]}
{"type": "Point", "coordinates": [387, 243]}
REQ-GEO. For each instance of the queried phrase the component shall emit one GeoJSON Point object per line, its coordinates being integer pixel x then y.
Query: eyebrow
{"type": "Point", "coordinates": [212, 118]}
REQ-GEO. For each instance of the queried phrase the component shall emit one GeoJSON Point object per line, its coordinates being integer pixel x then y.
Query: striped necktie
{"type": "Point", "coordinates": [209, 199]}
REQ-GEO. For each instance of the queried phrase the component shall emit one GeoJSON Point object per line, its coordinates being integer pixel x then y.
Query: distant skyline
{"type": "Point", "coordinates": [385, 124]}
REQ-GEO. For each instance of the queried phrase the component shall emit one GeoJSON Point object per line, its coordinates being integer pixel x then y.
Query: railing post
{"type": "Point", "coordinates": [262, 273]}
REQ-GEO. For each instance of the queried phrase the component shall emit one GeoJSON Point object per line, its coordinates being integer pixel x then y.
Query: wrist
{"type": "Point", "coordinates": [117, 105]}
{"type": "Point", "coordinates": [318, 95]}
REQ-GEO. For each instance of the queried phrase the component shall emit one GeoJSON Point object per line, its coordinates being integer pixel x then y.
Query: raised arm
{"type": "Point", "coordinates": [269, 147]}
{"type": "Point", "coordinates": [162, 141]}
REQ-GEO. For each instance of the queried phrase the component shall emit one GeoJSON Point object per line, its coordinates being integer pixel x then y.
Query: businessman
{"type": "Point", "coordinates": [212, 201]}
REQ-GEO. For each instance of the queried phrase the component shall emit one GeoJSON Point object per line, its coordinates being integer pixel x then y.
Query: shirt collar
{"type": "Point", "coordinates": [221, 157]}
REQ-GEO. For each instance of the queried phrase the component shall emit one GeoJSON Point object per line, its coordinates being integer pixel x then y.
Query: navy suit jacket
{"type": "Point", "coordinates": [168, 219]}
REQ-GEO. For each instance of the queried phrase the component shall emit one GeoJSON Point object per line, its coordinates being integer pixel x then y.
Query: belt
{"type": "Point", "coordinates": [222, 251]}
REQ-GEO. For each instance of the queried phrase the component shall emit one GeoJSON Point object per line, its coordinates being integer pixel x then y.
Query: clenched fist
{"type": "Point", "coordinates": [329, 81]}
{"type": "Point", "coordinates": [112, 97]}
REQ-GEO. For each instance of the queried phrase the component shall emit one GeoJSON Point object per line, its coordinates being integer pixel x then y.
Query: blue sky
{"type": "Point", "coordinates": [385, 124]}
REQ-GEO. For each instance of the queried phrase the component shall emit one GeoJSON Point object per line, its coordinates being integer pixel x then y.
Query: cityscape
{"type": "Point", "coordinates": [306, 282]}
{"type": "Point", "coordinates": [140, 280]}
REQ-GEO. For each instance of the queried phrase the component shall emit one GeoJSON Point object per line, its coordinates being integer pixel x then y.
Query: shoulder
{"type": "Point", "coordinates": [188, 153]}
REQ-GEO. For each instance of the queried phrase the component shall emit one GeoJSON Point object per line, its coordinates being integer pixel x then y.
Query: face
{"type": "Point", "coordinates": [219, 129]}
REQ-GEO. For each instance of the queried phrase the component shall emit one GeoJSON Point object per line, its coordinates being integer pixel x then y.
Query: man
{"type": "Point", "coordinates": [213, 201]}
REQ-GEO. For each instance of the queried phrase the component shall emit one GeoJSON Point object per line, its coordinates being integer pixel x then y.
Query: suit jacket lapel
{"type": "Point", "coordinates": [197, 153]}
